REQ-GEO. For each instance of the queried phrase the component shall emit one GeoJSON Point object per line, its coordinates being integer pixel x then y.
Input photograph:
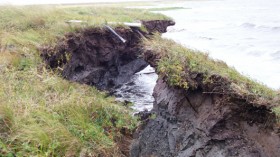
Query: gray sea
{"type": "Point", "coordinates": [243, 33]}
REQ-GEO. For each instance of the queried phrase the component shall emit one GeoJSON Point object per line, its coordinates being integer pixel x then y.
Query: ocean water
{"type": "Point", "coordinates": [243, 33]}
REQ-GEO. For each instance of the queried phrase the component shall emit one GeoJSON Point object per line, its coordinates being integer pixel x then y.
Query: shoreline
{"type": "Point", "coordinates": [51, 105]}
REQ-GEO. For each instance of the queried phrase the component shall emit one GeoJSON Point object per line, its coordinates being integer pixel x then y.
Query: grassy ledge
{"type": "Point", "coordinates": [40, 113]}
{"type": "Point", "coordinates": [177, 62]}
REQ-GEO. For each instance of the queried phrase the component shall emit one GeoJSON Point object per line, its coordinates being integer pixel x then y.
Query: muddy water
{"type": "Point", "coordinates": [139, 90]}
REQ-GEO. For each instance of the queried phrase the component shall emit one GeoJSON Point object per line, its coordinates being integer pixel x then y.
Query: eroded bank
{"type": "Point", "coordinates": [209, 118]}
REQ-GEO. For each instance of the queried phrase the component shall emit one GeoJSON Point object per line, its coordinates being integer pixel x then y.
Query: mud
{"type": "Point", "coordinates": [95, 56]}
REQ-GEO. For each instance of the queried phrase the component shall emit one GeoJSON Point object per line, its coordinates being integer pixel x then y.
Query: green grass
{"type": "Point", "coordinates": [45, 115]}
{"type": "Point", "coordinates": [276, 110]}
{"type": "Point", "coordinates": [40, 113]}
{"type": "Point", "coordinates": [44, 24]}
{"type": "Point", "coordinates": [176, 62]}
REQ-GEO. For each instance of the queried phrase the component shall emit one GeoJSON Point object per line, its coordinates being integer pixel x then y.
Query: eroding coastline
{"type": "Point", "coordinates": [199, 118]}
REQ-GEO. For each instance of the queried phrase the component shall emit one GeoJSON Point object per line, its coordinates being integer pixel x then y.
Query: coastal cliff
{"type": "Point", "coordinates": [202, 107]}
{"type": "Point", "coordinates": [49, 105]}
{"type": "Point", "coordinates": [194, 123]}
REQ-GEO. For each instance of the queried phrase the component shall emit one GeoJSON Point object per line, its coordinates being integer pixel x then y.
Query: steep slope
{"type": "Point", "coordinates": [204, 108]}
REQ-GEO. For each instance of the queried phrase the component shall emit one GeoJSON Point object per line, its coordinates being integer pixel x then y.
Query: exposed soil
{"type": "Point", "coordinates": [210, 119]}
{"type": "Point", "coordinates": [193, 123]}
{"type": "Point", "coordinates": [157, 25]}
{"type": "Point", "coordinates": [199, 121]}
{"type": "Point", "coordinates": [95, 56]}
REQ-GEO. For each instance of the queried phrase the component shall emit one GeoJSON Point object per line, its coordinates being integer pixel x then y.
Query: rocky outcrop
{"type": "Point", "coordinates": [96, 56]}
{"type": "Point", "coordinates": [193, 123]}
